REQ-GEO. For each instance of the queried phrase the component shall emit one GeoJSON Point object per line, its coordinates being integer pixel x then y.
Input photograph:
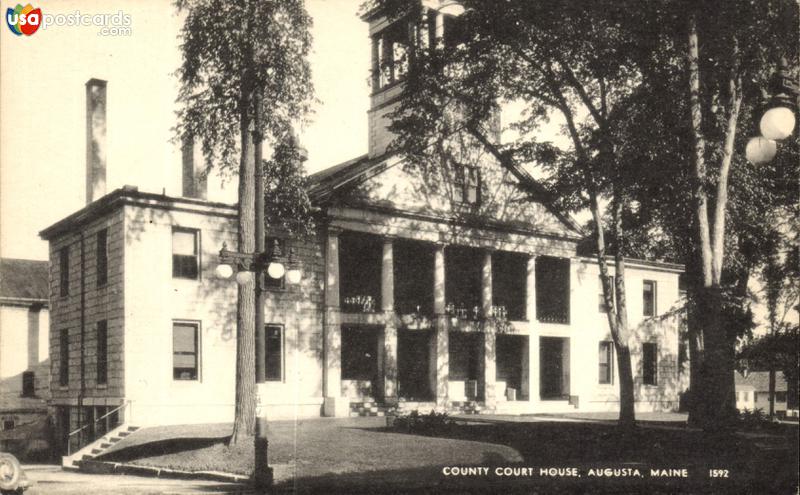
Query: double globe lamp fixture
{"type": "Point", "coordinates": [275, 262]}
{"type": "Point", "coordinates": [778, 121]}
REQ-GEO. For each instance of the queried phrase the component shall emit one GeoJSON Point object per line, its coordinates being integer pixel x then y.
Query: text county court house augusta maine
{"type": "Point", "coordinates": [451, 291]}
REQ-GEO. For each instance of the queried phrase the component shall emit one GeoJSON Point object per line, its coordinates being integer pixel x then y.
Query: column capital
{"type": "Point", "coordinates": [333, 230]}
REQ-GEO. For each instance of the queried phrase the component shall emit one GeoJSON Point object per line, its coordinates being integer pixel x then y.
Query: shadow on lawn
{"type": "Point", "coordinates": [160, 447]}
{"type": "Point", "coordinates": [763, 464]}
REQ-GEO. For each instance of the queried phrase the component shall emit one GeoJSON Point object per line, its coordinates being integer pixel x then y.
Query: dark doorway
{"type": "Point", "coordinates": [554, 368]}
{"type": "Point", "coordinates": [512, 363]}
{"type": "Point", "coordinates": [413, 364]}
{"type": "Point", "coordinates": [360, 354]}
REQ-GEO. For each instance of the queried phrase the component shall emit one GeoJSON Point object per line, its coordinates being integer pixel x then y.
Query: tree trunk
{"type": "Point", "coordinates": [245, 406]}
{"type": "Point", "coordinates": [627, 416]}
{"type": "Point", "coordinates": [617, 325]}
{"type": "Point", "coordinates": [716, 391]}
{"type": "Point", "coordinates": [771, 392]}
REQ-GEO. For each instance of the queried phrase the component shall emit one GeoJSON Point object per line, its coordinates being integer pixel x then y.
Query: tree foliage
{"type": "Point", "coordinates": [230, 51]}
{"type": "Point", "coordinates": [653, 102]}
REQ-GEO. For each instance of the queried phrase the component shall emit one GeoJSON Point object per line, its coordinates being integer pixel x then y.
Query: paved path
{"type": "Point", "coordinates": [50, 479]}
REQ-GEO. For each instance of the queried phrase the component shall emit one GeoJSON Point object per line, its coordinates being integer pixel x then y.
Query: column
{"type": "Point", "coordinates": [486, 284]}
{"type": "Point", "coordinates": [334, 404]}
{"type": "Point", "coordinates": [376, 64]}
{"type": "Point", "coordinates": [533, 329]}
{"type": "Point", "coordinates": [438, 40]}
{"type": "Point", "coordinates": [530, 291]}
{"type": "Point", "coordinates": [489, 333]}
{"type": "Point", "coordinates": [489, 364]}
{"type": "Point", "coordinates": [390, 328]}
{"type": "Point", "coordinates": [440, 346]}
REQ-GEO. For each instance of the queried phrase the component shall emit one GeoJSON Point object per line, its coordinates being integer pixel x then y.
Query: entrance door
{"type": "Point", "coordinates": [413, 364]}
{"type": "Point", "coordinates": [360, 361]}
{"type": "Point", "coordinates": [553, 368]}
{"type": "Point", "coordinates": [510, 352]}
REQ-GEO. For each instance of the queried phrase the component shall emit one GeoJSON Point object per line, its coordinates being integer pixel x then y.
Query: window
{"type": "Point", "coordinates": [63, 267]}
{"type": "Point", "coordinates": [28, 384]}
{"type": "Point", "coordinates": [102, 257]}
{"type": "Point", "coordinates": [273, 356]}
{"type": "Point", "coordinates": [468, 184]}
{"type": "Point", "coordinates": [185, 263]}
{"type": "Point", "coordinates": [649, 363]}
{"type": "Point", "coordinates": [649, 298]}
{"type": "Point", "coordinates": [269, 282]}
{"type": "Point", "coordinates": [102, 352]}
{"type": "Point", "coordinates": [184, 350]}
{"type": "Point", "coordinates": [780, 396]}
{"type": "Point", "coordinates": [8, 424]}
{"type": "Point", "coordinates": [606, 360]}
{"type": "Point", "coordinates": [601, 300]}
{"type": "Point", "coordinates": [63, 365]}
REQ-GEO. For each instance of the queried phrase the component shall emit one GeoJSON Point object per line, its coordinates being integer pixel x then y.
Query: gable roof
{"type": "Point", "coordinates": [759, 380]}
{"type": "Point", "coordinates": [24, 280]}
{"type": "Point", "coordinates": [323, 184]}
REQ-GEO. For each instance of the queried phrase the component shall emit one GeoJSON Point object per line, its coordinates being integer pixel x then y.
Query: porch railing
{"type": "Point", "coordinates": [92, 424]}
{"type": "Point", "coordinates": [553, 316]}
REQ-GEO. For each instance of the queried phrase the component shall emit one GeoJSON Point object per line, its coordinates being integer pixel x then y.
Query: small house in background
{"type": "Point", "coordinates": [752, 392]}
{"type": "Point", "coordinates": [24, 356]}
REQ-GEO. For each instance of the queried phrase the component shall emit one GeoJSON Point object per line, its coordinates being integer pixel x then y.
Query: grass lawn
{"type": "Point", "coordinates": [325, 452]}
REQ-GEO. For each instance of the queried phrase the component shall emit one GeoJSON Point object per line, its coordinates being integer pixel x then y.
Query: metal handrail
{"type": "Point", "coordinates": [109, 413]}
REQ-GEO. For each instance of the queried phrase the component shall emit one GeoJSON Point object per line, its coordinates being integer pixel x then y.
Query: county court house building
{"type": "Point", "coordinates": [451, 291]}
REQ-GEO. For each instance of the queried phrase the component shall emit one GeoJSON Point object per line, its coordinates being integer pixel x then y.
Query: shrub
{"type": "Point", "coordinates": [424, 424]}
{"type": "Point", "coordinates": [755, 419]}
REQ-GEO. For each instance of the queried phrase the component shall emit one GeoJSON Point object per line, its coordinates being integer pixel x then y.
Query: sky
{"type": "Point", "coordinates": [42, 108]}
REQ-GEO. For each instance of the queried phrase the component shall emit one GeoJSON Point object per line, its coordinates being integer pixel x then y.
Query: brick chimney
{"type": "Point", "coordinates": [195, 184]}
{"type": "Point", "coordinates": [95, 139]}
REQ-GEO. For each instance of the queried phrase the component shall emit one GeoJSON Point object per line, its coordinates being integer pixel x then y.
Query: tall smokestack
{"type": "Point", "coordinates": [194, 180]}
{"type": "Point", "coordinates": [95, 139]}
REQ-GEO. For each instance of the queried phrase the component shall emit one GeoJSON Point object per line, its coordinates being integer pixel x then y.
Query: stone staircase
{"type": "Point", "coordinates": [468, 407]}
{"type": "Point", "coordinates": [368, 407]}
{"type": "Point", "coordinates": [98, 447]}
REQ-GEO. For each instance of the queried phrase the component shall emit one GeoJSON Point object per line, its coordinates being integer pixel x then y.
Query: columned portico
{"type": "Point", "coordinates": [334, 404]}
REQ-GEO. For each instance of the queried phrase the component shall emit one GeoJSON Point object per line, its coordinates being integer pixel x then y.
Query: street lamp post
{"type": "Point", "coordinates": [778, 121]}
{"type": "Point", "coordinates": [274, 263]}
{"type": "Point", "coordinates": [246, 265]}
